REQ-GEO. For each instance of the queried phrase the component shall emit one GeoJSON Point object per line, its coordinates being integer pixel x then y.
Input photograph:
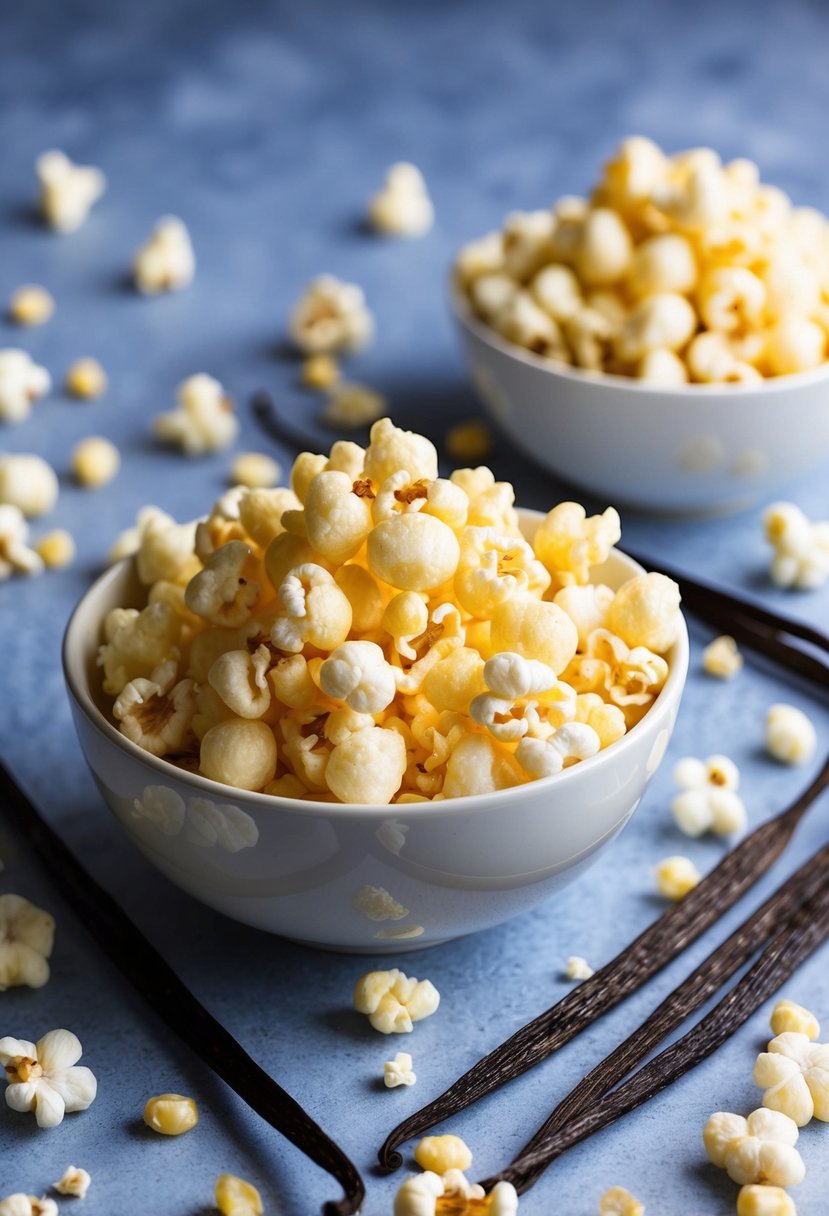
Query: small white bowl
{"type": "Point", "coordinates": [369, 879]}
{"type": "Point", "coordinates": [693, 449]}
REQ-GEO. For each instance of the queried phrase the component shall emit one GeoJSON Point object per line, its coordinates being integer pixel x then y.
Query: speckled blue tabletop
{"type": "Point", "coordinates": [266, 126]}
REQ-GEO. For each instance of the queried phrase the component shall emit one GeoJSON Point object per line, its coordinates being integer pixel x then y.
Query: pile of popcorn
{"type": "Point", "coordinates": [378, 633]}
{"type": "Point", "coordinates": [677, 268]}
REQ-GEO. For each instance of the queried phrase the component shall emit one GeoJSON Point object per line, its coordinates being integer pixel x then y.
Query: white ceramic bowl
{"type": "Point", "coordinates": [693, 449]}
{"type": "Point", "coordinates": [310, 871]}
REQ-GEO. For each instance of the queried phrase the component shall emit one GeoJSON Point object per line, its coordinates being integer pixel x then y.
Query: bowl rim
{"type": "Point", "coordinates": [77, 685]}
{"type": "Point", "coordinates": [462, 311]}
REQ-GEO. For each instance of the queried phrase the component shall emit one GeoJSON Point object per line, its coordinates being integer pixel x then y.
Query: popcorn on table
{"type": "Point", "coordinates": [75, 1181]}
{"type": "Point", "coordinates": [403, 206]}
{"type": "Point", "coordinates": [788, 1015]}
{"type": "Point", "coordinates": [56, 549]}
{"type": "Point", "coordinates": [790, 735]}
{"type": "Point", "coordinates": [676, 876]}
{"type": "Point", "coordinates": [203, 419]}
{"type": "Point", "coordinates": [759, 1149]}
{"type": "Point", "coordinates": [399, 1071]}
{"type": "Point", "coordinates": [31, 305]}
{"type": "Point", "coordinates": [676, 268]}
{"type": "Point", "coordinates": [393, 1002]}
{"type": "Point", "coordinates": [86, 379]}
{"type": "Point", "coordinates": [320, 372]}
{"type": "Point", "coordinates": [45, 1077]}
{"type": "Point", "coordinates": [430, 1194]}
{"type": "Point", "coordinates": [794, 1073]}
{"type": "Point", "coordinates": [353, 405]}
{"type": "Point", "coordinates": [67, 191]}
{"type": "Point", "coordinates": [620, 1202]}
{"type": "Point", "coordinates": [708, 801]}
{"type": "Point", "coordinates": [95, 461]}
{"type": "Point", "coordinates": [27, 1205]}
{"type": "Point", "coordinates": [236, 1197]}
{"type": "Point", "coordinates": [722, 659]}
{"type": "Point", "coordinates": [443, 1153]}
{"type": "Point", "coordinates": [16, 556]}
{"type": "Point", "coordinates": [759, 1200]}
{"type": "Point", "coordinates": [27, 936]}
{"type": "Point", "coordinates": [470, 440]}
{"type": "Point", "coordinates": [801, 548]}
{"type": "Point", "coordinates": [22, 382]}
{"type": "Point", "coordinates": [166, 262]}
{"type": "Point", "coordinates": [29, 483]}
{"type": "Point", "coordinates": [331, 316]}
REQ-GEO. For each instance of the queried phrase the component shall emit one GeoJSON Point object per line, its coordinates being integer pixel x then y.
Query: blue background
{"type": "Point", "coordinates": [267, 127]}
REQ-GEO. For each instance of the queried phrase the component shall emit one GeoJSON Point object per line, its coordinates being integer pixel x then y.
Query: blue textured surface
{"type": "Point", "coordinates": [266, 127]}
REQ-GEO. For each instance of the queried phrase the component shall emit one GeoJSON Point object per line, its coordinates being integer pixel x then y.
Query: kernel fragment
{"type": "Point", "coordinates": [95, 462]}
{"type": "Point", "coordinates": [87, 379]}
{"type": "Point", "coordinates": [256, 470]}
{"type": "Point", "coordinates": [721, 658]}
{"type": "Point", "coordinates": [31, 305]}
{"type": "Point", "coordinates": [469, 440]}
{"type": "Point", "coordinates": [75, 1182]}
{"type": "Point", "coordinates": [171, 1114]}
{"type": "Point", "coordinates": [235, 1197]}
{"type": "Point", "coordinates": [620, 1202]}
{"type": "Point", "coordinates": [676, 876]}
{"type": "Point", "coordinates": [57, 549]}
{"type": "Point", "coordinates": [320, 372]}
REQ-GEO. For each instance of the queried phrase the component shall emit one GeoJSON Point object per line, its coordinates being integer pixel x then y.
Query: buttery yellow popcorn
{"type": "Point", "coordinates": [67, 190]}
{"type": "Point", "coordinates": [86, 379]}
{"type": "Point", "coordinates": [393, 1002]}
{"type": "Point", "coordinates": [31, 305]}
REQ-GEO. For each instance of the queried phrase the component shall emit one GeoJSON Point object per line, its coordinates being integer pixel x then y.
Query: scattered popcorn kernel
{"type": "Point", "coordinates": [28, 483]}
{"type": "Point", "coordinates": [87, 379]}
{"type": "Point", "coordinates": [75, 1182]}
{"type": "Point", "coordinates": [203, 420]}
{"type": "Point", "coordinates": [45, 1077]}
{"type": "Point", "coordinates": [31, 305]}
{"type": "Point", "coordinates": [27, 935]}
{"type": "Point", "coordinates": [721, 658]}
{"type": "Point", "coordinates": [56, 549]}
{"type": "Point", "coordinates": [398, 1071]}
{"type": "Point", "coordinates": [166, 262]}
{"type": "Point", "coordinates": [578, 968]}
{"type": "Point", "coordinates": [15, 555]}
{"type": "Point", "coordinates": [235, 1197]}
{"type": "Point", "coordinates": [95, 461]}
{"type": "Point", "coordinates": [403, 206]}
{"type": "Point", "coordinates": [759, 1149]}
{"type": "Point", "coordinates": [676, 876]}
{"type": "Point", "coordinates": [788, 1016]}
{"type": "Point", "coordinates": [320, 372]}
{"type": "Point", "coordinates": [708, 801]}
{"type": "Point", "coordinates": [754, 1200]}
{"type": "Point", "coordinates": [790, 735]}
{"type": "Point", "coordinates": [22, 382]}
{"type": "Point", "coordinates": [442, 1153]}
{"type": "Point", "coordinates": [429, 1194]}
{"type": "Point", "coordinates": [67, 191]}
{"type": "Point", "coordinates": [794, 1073]}
{"type": "Point", "coordinates": [393, 1002]}
{"type": "Point", "coordinates": [620, 1202]}
{"type": "Point", "coordinates": [256, 470]}
{"type": "Point", "coordinates": [27, 1205]}
{"type": "Point", "coordinates": [353, 405]}
{"type": "Point", "coordinates": [801, 548]}
{"type": "Point", "coordinates": [171, 1114]}
{"type": "Point", "coordinates": [331, 316]}
{"type": "Point", "coordinates": [469, 440]}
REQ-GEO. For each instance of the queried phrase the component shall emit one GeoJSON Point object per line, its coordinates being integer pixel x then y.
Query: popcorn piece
{"type": "Point", "coordinates": [567, 541]}
{"type": "Point", "coordinates": [708, 801]}
{"type": "Point", "coordinates": [442, 1153]}
{"type": "Point", "coordinates": [731, 299]}
{"type": "Point", "coordinates": [454, 682]}
{"type": "Point", "coordinates": [757, 1200]}
{"type": "Point", "coordinates": [137, 643]}
{"type": "Point", "coordinates": [313, 610]}
{"type": "Point", "coordinates": [29, 483]}
{"type": "Point", "coordinates": [171, 1114]}
{"type": "Point", "coordinates": [546, 757]}
{"type": "Point", "coordinates": [357, 673]}
{"type": "Point", "coordinates": [239, 752]}
{"type": "Point", "coordinates": [44, 1077]}
{"type": "Point", "coordinates": [235, 1197]}
{"type": "Point", "coordinates": [392, 449]}
{"type": "Point", "coordinates": [15, 554]}
{"type": "Point", "coordinates": [354, 405]}
{"type": "Point", "coordinates": [203, 421]}
{"type": "Point", "coordinates": [645, 612]}
{"type": "Point", "coordinates": [620, 1202]}
{"type": "Point", "coordinates": [261, 511]}
{"type": "Point", "coordinates": [403, 206]}
{"type": "Point", "coordinates": [367, 767]}
{"type": "Point", "coordinates": [664, 321]}
{"type": "Point", "coordinates": [241, 680]}
{"type": "Point", "coordinates": [95, 461]}
{"type": "Point", "coordinates": [27, 1205]}
{"type": "Point", "coordinates": [337, 515]}
{"type": "Point", "coordinates": [662, 367]}
{"type": "Point", "coordinates": [75, 1182]}
{"type": "Point", "coordinates": [480, 257]}
{"type": "Point", "coordinates": [759, 1149]}
{"type": "Point", "coordinates": [788, 1016]}
{"type": "Point", "coordinates": [399, 1071]}
{"type": "Point", "coordinates": [428, 1194]}
{"type": "Point", "coordinates": [86, 379]}
{"type": "Point", "coordinates": [27, 935]}
{"type": "Point", "coordinates": [67, 191]}
{"type": "Point", "coordinates": [604, 250]}
{"type": "Point", "coordinates": [795, 344]}
{"type": "Point", "coordinates": [469, 440]}
{"type": "Point", "coordinates": [22, 382]}
{"type": "Point", "coordinates": [331, 316]}
{"type": "Point", "coordinates": [415, 552]}
{"type": "Point", "coordinates": [665, 262]}
{"type": "Point", "coordinates": [721, 658]}
{"type": "Point", "coordinates": [578, 968]}
{"type": "Point", "coordinates": [166, 262]}
{"type": "Point", "coordinates": [676, 876]}
{"type": "Point", "coordinates": [320, 372]}
{"type": "Point", "coordinates": [256, 470]}
{"type": "Point", "coordinates": [129, 540]}
{"type": "Point", "coordinates": [535, 629]}
{"type": "Point", "coordinates": [493, 568]}
{"type": "Point", "coordinates": [801, 548]}
{"type": "Point", "coordinates": [586, 606]}
{"type": "Point", "coordinates": [790, 735]}
{"type": "Point", "coordinates": [31, 305]}
{"type": "Point", "coordinates": [157, 713]}
{"type": "Point", "coordinates": [794, 1073]}
{"type": "Point", "coordinates": [223, 593]}
{"type": "Point", "coordinates": [393, 1002]}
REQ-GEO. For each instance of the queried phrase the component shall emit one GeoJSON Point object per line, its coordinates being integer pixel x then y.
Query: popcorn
{"type": "Point", "coordinates": [788, 1016]}
{"type": "Point", "coordinates": [67, 191]}
{"type": "Point", "coordinates": [223, 593]}
{"type": "Point", "coordinates": [442, 1153]}
{"type": "Point", "coordinates": [56, 549]}
{"type": "Point", "coordinates": [398, 1071]}
{"type": "Point", "coordinates": [45, 1077]}
{"type": "Point", "coordinates": [620, 1202]}
{"type": "Point", "coordinates": [415, 552]}
{"type": "Point", "coordinates": [136, 643]}
{"type": "Point", "coordinates": [795, 344]}
{"type": "Point", "coordinates": [95, 461]}
{"type": "Point", "coordinates": [801, 548]}
{"type": "Point", "coordinates": [28, 483]}
{"type": "Point", "coordinates": [235, 1197]}
{"type": "Point", "coordinates": [354, 405]}
{"type": "Point", "coordinates": [721, 658]}
{"type": "Point", "coordinates": [569, 543]}
{"type": "Point", "coordinates": [754, 1200]}
{"type": "Point", "coordinates": [578, 968]}
{"type": "Point", "coordinates": [676, 876]}
{"type": "Point", "coordinates": [403, 206]}
{"type": "Point", "coordinates": [166, 262]}
{"type": "Point", "coordinates": [428, 1194]}
{"type": "Point", "coordinates": [15, 555]}
{"type": "Point", "coordinates": [662, 367]}
{"type": "Point", "coordinates": [27, 1205]}
{"type": "Point", "coordinates": [157, 713]}
{"type": "Point", "coordinates": [320, 372]}
{"type": "Point", "coordinates": [87, 379]}
{"type": "Point", "coordinates": [239, 752]}
{"type": "Point", "coordinates": [256, 470]}
{"type": "Point", "coordinates": [203, 421]}
{"type": "Point", "coordinates": [493, 568]}
{"type": "Point", "coordinates": [75, 1181]}
{"type": "Point", "coordinates": [645, 612]}
{"type": "Point", "coordinates": [391, 449]}
{"type": "Point", "coordinates": [357, 673]}
{"type": "Point", "coordinates": [314, 611]}
{"type": "Point", "coordinates": [663, 263]}
{"type": "Point", "coordinates": [790, 735]}
{"type": "Point", "coordinates": [794, 1073]}
{"type": "Point", "coordinates": [708, 801]}
{"type": "Point", "coordinates": [27, 935]}
{"type": "Point", "coordinates": [393, 1002]}
{"type": "Point", "coordinates": [240, 679]}
{"type": "Point", "coordinates": [367, 767]}
{"type": "Point", "coordinates": [171, 1114]}
{"type": "Point", "coordinates": [759, 1149]}
{"type": "Point", "coordinates": [331, 316]}
{"type": "Point", "coordinates": [546, 757]}
{"type": "Point", "coordinates": [22, 382]}
{"type": "Point", "coordinates": [31, 305]}
{"type": "Point", "coordinates": [535, 629]}
{"type": "Point", "coordinates": [337, 515]}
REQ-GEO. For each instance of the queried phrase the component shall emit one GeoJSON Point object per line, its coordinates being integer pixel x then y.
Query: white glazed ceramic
{"type": "Point", "coordinates": [302, 869]}
{"type": "Point", "coordinates": [693, 449]}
